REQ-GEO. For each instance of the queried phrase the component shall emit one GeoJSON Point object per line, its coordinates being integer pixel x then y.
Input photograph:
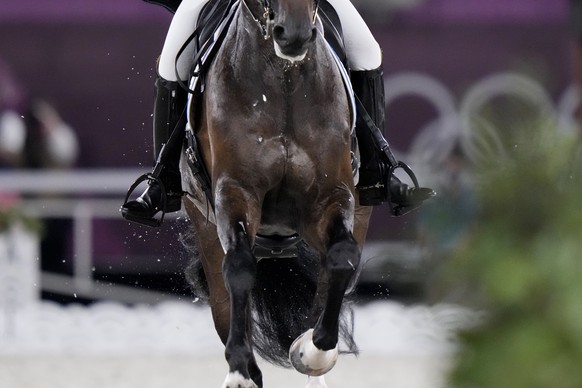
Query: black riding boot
{"type": "Point", "coordinates": [375, 186]}
{"type": "Point", "coordinates": [164, 191]}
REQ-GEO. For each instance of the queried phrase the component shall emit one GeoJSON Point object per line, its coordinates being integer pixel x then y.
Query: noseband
{"type": "Point", "coordinates": [265, 22]}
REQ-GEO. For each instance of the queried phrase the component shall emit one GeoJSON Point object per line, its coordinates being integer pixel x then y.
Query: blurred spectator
{"type": "Point", "coordinates": [34, 136]}
{"type": "Point", "coordinates": [12, 138]}
{"type": "Point", "coordinates": [447, 220]}
{"type": "Point", "coordinates": [50, 142]}
{"type": "Point", "coordinates": [445, 223]}
{"type": "Point", "coordinates": [12, 130]}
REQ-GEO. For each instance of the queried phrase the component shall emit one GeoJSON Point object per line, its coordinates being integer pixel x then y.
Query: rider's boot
{"type": "Point", "coordinates": [164, 191]}
{"type": "Point", "coordinates": [375, 186]}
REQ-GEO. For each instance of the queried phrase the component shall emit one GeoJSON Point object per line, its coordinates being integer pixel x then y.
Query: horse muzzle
{"type": "Point", "coordinates": [292, 43]}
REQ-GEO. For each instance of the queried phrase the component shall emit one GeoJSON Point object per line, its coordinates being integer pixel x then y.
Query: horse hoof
{"type": "Point", "coordinates": [237, 380]}
{"type": "Point", "coordinates": [306, 358]}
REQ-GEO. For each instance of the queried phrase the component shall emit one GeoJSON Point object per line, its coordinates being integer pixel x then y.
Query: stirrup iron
{"type": "Point", "coordinates": [153, 222]}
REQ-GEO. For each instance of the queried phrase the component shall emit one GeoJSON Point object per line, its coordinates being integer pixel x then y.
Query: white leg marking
{"type": "Point", "coordinates": [236, 380]}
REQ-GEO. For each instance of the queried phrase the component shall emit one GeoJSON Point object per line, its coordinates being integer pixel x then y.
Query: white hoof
{"type": "Point", "coordinates": [306, 358]}
{"type": "Point", "coordinates": [236, 380]}
{"type": "Point", "coordinates": [316, 382]}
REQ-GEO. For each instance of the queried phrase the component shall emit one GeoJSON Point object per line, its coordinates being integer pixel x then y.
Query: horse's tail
{"type": "Point", "coordinates": [283, 305]}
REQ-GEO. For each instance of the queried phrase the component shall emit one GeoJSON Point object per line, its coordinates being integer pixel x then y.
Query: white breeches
{"type": "Point", "coordinates": [363, 51]}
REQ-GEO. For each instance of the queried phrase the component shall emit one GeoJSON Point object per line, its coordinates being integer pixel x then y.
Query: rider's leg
{"type": "Point", "coordinates": [363, 52]}
{"type": "Point", "coordinates": [365, 61]}
{"type": "Point", "coordinates": [374, 186]}
{"type": "Point", "coordinates": [181, 27]}
{"type": "Point", "coordinates": [169, 104]}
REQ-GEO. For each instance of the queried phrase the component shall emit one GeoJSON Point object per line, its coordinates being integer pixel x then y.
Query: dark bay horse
{"type": "Point", "coordinates": [274, 131]}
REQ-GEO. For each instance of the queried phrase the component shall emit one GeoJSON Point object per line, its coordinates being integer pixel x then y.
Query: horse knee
{"type": "Point", "coordinates": [239, 270]}
{"type": "Point", "coordinates": [239, 266]}
{"type": "Point", "coordinates": [343, 258]}
{"type": "Point", "coordinates": [343, 253]}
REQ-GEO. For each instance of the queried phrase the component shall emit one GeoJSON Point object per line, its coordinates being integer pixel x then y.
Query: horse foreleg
{"type": "Point", "coordinates": [239, 271]}
{"type": "Point", "coordinates": [315, 352]}
{"type": "Point", "coordinates": [211, 255]}
{"type": "Point", "coordinates": [362, 216]}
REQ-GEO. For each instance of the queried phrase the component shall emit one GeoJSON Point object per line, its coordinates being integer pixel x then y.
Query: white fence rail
{"type": "Point", "coordinates": [89, 194]}
{"type": "Point", "coordinates": [82, 196]}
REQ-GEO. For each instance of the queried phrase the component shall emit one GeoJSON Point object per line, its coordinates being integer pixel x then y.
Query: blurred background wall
{"type": "Point", "coordinates": [94, 61]}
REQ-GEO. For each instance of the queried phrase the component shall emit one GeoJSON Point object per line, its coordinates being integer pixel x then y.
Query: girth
{"type": "Point", "coordinates": [275, 246]}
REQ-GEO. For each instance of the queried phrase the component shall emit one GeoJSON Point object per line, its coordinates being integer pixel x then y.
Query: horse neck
{"type": "Point", "coordinates": [256, 6]}
{"type": "Point", "coordinates": [249, 53]}
{"type": "Point", "coordinates": [253, 13]}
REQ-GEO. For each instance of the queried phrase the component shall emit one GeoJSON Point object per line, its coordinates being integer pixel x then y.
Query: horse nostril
{"type": "Point", "coordinates": [313, 34]}
{"type": "Point", "coordinates": [279, 32]}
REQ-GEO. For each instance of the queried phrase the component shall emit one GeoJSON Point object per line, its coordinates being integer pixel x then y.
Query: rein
{"type": "Point", "coordinates": [201, 50]}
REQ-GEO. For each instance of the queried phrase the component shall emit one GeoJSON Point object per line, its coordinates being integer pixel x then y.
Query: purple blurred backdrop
{"type": "Point", "coordinates": [446, 11]}
{"type": "Point", "coordinates": [95, 59]}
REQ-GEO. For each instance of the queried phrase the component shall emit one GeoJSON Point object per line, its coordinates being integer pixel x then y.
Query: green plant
{"type": "Point", "coordinates": [524, 265]}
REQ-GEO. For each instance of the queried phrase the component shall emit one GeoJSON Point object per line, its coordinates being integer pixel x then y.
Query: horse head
{"type": "Point", "coordinates": [293, 24]}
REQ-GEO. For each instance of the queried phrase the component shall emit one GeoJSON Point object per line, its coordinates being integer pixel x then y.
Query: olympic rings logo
{"type": "Point", "coordinates": [455, 122]}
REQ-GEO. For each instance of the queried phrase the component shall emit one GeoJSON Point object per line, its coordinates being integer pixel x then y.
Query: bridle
{"type": "Point", "coordinates": [266, 20]}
